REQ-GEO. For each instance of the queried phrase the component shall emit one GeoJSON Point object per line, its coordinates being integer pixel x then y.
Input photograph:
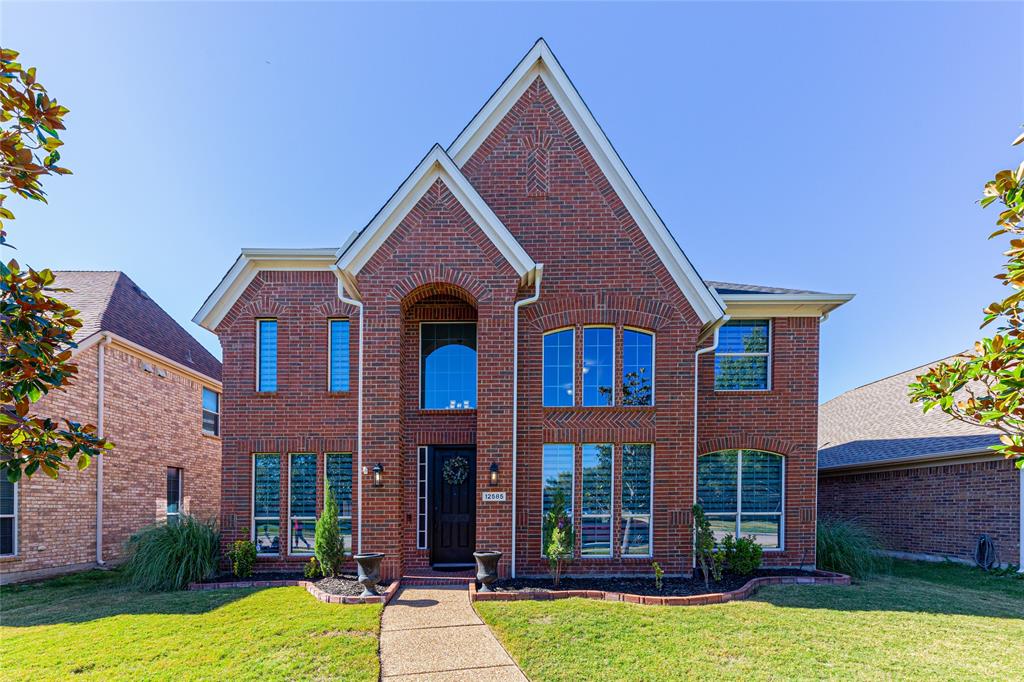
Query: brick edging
{"type": "Point", "coordinates": [311, 587]}
{"type": "Point", "coordinates": [819, 578]}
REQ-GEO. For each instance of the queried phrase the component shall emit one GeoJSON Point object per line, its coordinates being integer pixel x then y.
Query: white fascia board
{"type": "Point", "coordinates": [540, 61]}
{"type": "Point", "coordinates": [435, 165]}
{"type": "Point", "coordinates": [250, 263]}
{"type": "Point", "coordinates": [740, 306]}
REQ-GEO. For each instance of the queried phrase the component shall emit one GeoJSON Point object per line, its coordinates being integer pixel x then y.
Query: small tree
{"type": "Point", "coordinates": [327, 544]}
{"type": "Point", "coordinates": [560, 537]}
{"type": "Point", "coordinates": [704, 547]}
{"type": "Point", "coordinates": [986, 387]}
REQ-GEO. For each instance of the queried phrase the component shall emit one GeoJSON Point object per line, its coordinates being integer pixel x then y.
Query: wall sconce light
{"type": "Point", "coordinates": [378, 475]}
{"type": "Point", "coordinates": [494, 473]}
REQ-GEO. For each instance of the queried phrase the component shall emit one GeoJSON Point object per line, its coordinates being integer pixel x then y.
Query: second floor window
{"type": "Point", "coordinates": [266, 355]}
{"type": "Point", "coordinates": [637, 367]}
{"type": "Point", "coordinates": [598, 361]}
{"type": "Point", "coordinates": [211, 412]}
{"type": "Point", "coordinates": [742, 357]}
{"type": "Point", "coordinates": [559, 356]}
{"type": "Point", "coordinates": [448, 366]}
{"type": "Point", "coordinates": [338, 360]}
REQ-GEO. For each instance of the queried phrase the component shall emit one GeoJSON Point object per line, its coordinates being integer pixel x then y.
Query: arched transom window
{"type": "Point", "coordinates": [741, 492]}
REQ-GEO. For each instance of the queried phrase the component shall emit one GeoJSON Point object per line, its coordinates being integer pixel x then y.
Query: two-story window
{"type": "Point", "coordinates": [448, 365]}
{"type": "Point", "coordinates": [743, 356]}
{"type": "Point", "coordinates": [598, 370]}
{"type": "Point", "coordinates": [741, 491]}
{"type": "Point", "coordinates": [8, 517]}
{"type": "Point", "coordinates": [211, 412]}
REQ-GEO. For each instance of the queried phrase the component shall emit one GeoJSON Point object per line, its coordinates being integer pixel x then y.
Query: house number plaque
{"type": "Point", "coordinates": [494, 497]}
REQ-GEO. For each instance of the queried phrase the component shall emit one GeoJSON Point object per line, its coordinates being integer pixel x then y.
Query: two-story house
{"type": "Point", "coordinates": [514, 322]}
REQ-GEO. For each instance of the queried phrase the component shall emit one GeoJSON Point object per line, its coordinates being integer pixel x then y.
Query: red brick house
{"type": "Point", "coordinates": [154, 391]}
{"type": "Point", "coordinates": [514, 322]}
{"type": "Point", "coordinates": [926, 485]}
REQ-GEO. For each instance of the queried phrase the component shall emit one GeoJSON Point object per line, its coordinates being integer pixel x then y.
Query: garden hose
{"type": "Point", "coordinates": [985, 554]}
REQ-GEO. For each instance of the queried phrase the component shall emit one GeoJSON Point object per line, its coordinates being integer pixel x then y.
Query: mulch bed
{"type": "Point", "coordinates": [671, 587]}
{"type": "Point", "coordinates": [345, 585]}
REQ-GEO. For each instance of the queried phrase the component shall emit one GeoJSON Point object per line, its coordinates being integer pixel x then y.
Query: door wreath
{"type": "Point", "coordinates": [456, 471]}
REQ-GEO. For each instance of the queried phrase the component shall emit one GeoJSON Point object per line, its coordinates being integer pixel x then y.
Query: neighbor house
{"type": "Point", "coordinates": [515, 322]}
{"type": "Point", "coordinates": [926, 485]}
{"type": "Point", "coordinates": [154, 391]}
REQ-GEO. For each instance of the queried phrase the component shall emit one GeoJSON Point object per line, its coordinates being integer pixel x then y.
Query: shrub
{"type": "Point", "coordinates": [659, 574]}
{"type": "Point", "coordinates": [170, 556]}
{"type": "Point", "coordinates": [561, 540]}
{"type": "Point", "coordinates": [847, 547]}
{"type": "Point", "coordinates": [742, 555]}
{"type": "Point", "coordinates": [327, 545]}
{"type": "Point", "coordinates": [243, 558]}
{"type": "Point", "coordinates": [704, 547]}
{"type": "Point", "coordinates": [311, 570]}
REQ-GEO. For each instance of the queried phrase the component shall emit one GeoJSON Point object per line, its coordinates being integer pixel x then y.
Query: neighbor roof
{"type": "Point", "coordinates": [734, 288]}
{"type": "Point", "coordinates": [110, 301]}
{"type": "Point", "coordinates": [877, 423]}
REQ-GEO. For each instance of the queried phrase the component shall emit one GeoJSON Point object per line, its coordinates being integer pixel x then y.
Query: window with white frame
{"type": "Point", "coordinates": [448, 365]}
{"type": "Point", "coordinates": [421, 498]}
{"type": "Point", "coordinates": [596, 494]}
{"type": "Point", "coordinates": [266, 355]}
{"type": "Point", "coordinates": [637, 494]}
{"type": "Point", "coordinates": [337, 364]}
{"type": "Point", "coordinates": [559, 362]}
{"type": "Point", "coordinates": [743, 356]}
{"type": "Point", "coordinates": [339, 475]}
{"type": "Point", "coordinates": [557, 475]}
{"type": "Point", "coordinates": [637, 367]}
{"type": "Point", "coordinates": [301, 503]}
{"type": "Point", "coordinates": [174, 484]}
{"type": "Point", "coordinates": [266, 497]}
{"type": "Point", "coordinates": [598, 366]}
{"type": "Point", "coordinates": [741, 492]}
{"type": "Point", "coordinates": [8, 517]}
{"type": "Point", "coordinates": [211, 412]}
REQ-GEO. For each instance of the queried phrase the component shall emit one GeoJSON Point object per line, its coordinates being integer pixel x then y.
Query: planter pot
{"type": "Point", "coordinates": [369, 572]}
{"type": "Point", "coordinates": [486, 568]}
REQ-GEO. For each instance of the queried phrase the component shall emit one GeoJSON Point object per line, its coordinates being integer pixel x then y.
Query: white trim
{"type": "Point", "coordinates": [540, 62]}
{"type": "Point", "coordinates": [572, 492]}
{"type": "Point", "coordinates": [650, 508]}
{"type": "Point", "coordinates": [181, 495]}
{"type": "Point", "coordinates": [584, 365]}
{"type": "Point", "coordinates": [422, 497]}
{"type": "Point", "coordinates": [330, 353]}
{"type": "Point", "coordinates": [767, 354]}
{"type": "Point", "coordinates": [252, 502]}
{"type": "Point", "coordinates": [761, 306]}
{"type": "Point", "coordinates": [419, 371]}
{"type": "Point", "coordinates": [543, 364]}
{"type": "Point", "coordinates": [434, 166]}
{"type": "Point", "coordinates": [203, 410]}
{"type": "Point", "coordinates": [654, 356]}
{"type": "Point", "coordinates": [14, 523]}
{"type": "Point", "coordinates": [611, 507]}
{"type": "Point", "coordinates": [105, 336]}
{"type": "Point", "coordinates": [259, 348]}
{"type": "Point", "coordinates": [289, 505]}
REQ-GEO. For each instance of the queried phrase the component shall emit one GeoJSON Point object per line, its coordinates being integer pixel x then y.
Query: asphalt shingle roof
{"type": "Point", "coordinates": [734, 288]}
{"type": "Point", "coordinates": [110, 301]}
{"type": "Point", "coordinates": [877, 422]}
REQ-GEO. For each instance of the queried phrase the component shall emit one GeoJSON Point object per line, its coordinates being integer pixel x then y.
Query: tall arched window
{"type": "Point", "coordinates": [448, 365]}
{"type": "Point", "coordinates": [741, 491]}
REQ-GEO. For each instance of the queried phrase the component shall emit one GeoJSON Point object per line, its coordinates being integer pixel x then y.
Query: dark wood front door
{"type": "Point", "coordinates": [452, 505]}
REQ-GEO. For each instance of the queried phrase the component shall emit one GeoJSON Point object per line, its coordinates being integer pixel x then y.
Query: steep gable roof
{"type": "Point", "coordinates": [111, 302]}
{"type": "Point", "coordinates": [540, 62]}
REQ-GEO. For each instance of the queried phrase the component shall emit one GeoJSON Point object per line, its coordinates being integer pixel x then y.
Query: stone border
{"type": "Point", "coordinates": [818, 578]}
{"type": "Point", "coordinates": [310, 587]}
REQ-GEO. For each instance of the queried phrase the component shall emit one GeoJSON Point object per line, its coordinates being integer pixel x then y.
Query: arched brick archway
{"type": "Point", "coordinates": [439, 281]}
{"type": "Point", "coordinates": [743, 442]}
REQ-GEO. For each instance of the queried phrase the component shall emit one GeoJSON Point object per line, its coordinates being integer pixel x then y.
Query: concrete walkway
{"type": "Point", "coordinates": [433, 633]}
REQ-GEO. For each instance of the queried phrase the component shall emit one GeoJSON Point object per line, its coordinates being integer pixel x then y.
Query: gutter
{"type": "Point", "coordinates": [104, 341]}
{"type": "Point", "coordinates": [359, 410]}
{"type": "Point", "coordinates": [716, 327]}
{"type": "Point", "coordinates": [515, 397]}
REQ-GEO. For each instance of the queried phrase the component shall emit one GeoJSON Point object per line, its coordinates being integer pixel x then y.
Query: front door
{"type": "Point", "coordinates": [452, 504]}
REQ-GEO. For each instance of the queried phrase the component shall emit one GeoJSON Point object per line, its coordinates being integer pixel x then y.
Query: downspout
{"type": "Point", "coordinates": [359, 412]}
{"type": "Point", "coordinates": [515, 398]}
{"type": "Point", "coordinates": [104, 340]}
{"type": "Point", "coordinates": [696, 394]}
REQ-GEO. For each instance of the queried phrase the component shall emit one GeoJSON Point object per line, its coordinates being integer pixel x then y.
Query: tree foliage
{"type": "Point", "coordinates": [327, 544]}
{"type": "Point", "coordinates": [560, 537]}
{"type": "Point", "coordinates": [36, 328]}
{"type": "Point", "coordinates": [985, 386]}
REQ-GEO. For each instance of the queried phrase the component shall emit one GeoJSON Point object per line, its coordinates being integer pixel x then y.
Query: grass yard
{"type": "Point", "coordinates": [88, 627]}
{"type": "Point", "coordinates": [925, 621]}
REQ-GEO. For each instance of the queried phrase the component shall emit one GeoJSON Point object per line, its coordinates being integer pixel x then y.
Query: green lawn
{"type": "Point", "coordinates": [925, 621]}
{"type": "Point", "coordinates": [88, 627]}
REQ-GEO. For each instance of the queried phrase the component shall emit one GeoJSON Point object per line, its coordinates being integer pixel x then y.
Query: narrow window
{"type": "Point", "coordinates": [211, 412]}
{"type": "Point", "coordinates": [637, 367]}
{"type": "Point", "coordinates": [741, 493]}
{"type": "Point", "coordinates": [421, 498]}
{"type": "Point", "coordinates": [266, 356]}
{"type": "Point", "coordinates": [448, 366]}
{"type": "Point", "coordinates": [8, 517]}
{"type": "Point", "coordinates": [339, 473]}
{"type": "Point", "coordinates": [742, 360]}
{"type": "Point", "coordinates": [637, 461]}
{"type": "Point", "coordinates": [301, 503]}
{"type": "Point", "coordinates": [598, 364]}
{"type": "Point", "coordinates": [596, 510]}
{"type": "Point", "coordinates": [173, 495]}
{"type": "Point", "coordinates": [338, 360]}
{"type": "Point", "coordinates": [558, 368]}
{"type": "Point", "coordinates": [266, 520]}
{"type": "Point", "coordinates": [557, 480]}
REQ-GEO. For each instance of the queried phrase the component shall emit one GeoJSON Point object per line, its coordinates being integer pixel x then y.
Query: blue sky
{"type": "Point", "coordinates": [828, 146]}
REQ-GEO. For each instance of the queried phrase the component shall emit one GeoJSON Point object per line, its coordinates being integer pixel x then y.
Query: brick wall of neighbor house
{"type": "Point", "coordinates": [783, 420]}
{"type": "Point", "coordinates": [937, 510]}
{"type": "Point", "coordinates": [155, 422]}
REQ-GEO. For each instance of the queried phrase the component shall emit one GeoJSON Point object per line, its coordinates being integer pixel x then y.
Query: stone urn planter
{"type": "Point", "coordinates": [369, 572]}
{"type": "Point", "coordinates": [486, 568]}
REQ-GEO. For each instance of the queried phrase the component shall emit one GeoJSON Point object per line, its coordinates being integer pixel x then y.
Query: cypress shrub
{"type": "Point", "coordinates": [327, 545]}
